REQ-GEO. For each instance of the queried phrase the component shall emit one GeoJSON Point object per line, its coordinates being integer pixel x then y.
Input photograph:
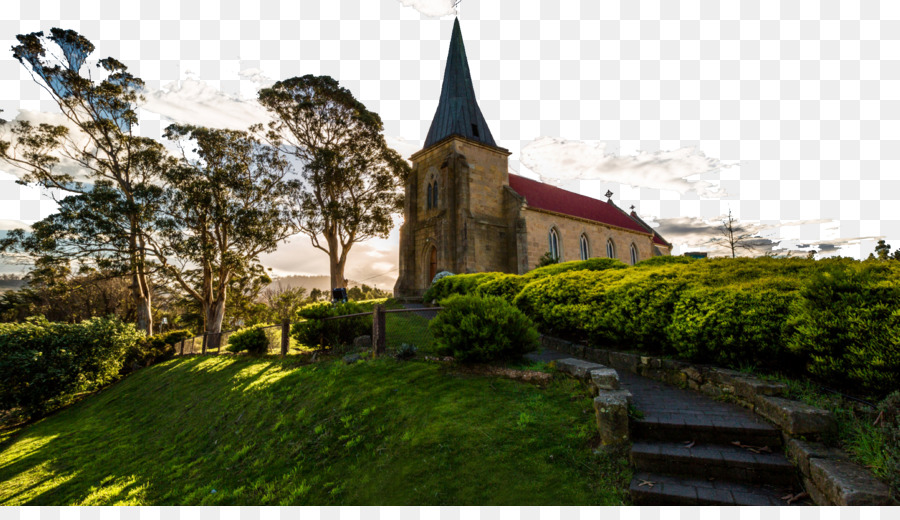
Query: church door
{"type": "Point", "coordinates": [432, 266]}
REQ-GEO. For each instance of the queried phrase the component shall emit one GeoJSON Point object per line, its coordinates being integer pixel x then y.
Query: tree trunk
{"type": "Point", "coordinates": [336, 263]}
{"type": "Point", "coordinates": [214, 317]}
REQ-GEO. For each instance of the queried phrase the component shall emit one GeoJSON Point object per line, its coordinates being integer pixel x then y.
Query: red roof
{"type": "Point", "coordinates": [550, 198]}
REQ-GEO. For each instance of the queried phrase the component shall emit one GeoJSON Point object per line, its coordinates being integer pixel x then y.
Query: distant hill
{"type": "Point", "coordinates": [11, 285]}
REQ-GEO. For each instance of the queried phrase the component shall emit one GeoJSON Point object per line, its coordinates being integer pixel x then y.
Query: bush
{"type": "Point", "coordinates": [43, 365]}
{"type": "Point", "coordinates": [846, 325]}
{"type": "Point", "coordinates": [506, 286]}
{"type": "Point", "coordinates": [561, 303]}
{"type": "Point", "coordinates": [473, 329]}
{"type": "Point", "coordinates": [154, 349]}
{"type": "Point", "coordinates": [657, 261]}
{"type": "Point", "coordinates": [253, 340]}
{"type": "Point", "coordinates": [731, 327]}
{"type": "Point", "coordinates": [591, 264]}
{"type": "Point", "coordinates": [457, 284]}
{"type": "Point", "coordinates": [317, 332]}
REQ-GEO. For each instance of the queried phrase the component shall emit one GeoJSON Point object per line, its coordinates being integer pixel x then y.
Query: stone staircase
{"type": "Point", "coordinates": [693, 460]}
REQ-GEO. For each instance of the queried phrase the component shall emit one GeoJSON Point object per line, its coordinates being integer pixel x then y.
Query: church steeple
{"type": "Point", "coordinates": [457, 112]}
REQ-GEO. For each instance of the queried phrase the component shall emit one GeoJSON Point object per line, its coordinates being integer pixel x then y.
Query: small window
{"type": "Point", "coordinates": [585, 251]}
{"type": "Point", "coordinates": [554, 244]}
{"type": "Point", "coordinates": [474, 129]}
{"type": "Point", "coordinates": [428, 200]}
{"type": "Point", "coordinates": [634, 255]}
{"type": "Point", "coordinates": [434, 194]}
{"type": "Point", "coordinates": [610, 249]}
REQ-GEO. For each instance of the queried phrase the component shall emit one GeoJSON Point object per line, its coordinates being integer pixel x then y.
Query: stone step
{"type": "Point", "coordinates": [704, 428]}
{"type": "Point", "coordinates": [654, 489]}
{"type": "Point", "coordinates": [703, 461]}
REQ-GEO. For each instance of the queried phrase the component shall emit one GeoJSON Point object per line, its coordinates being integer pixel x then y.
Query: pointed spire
{"type": "Point", "coordinates": [458, 111]}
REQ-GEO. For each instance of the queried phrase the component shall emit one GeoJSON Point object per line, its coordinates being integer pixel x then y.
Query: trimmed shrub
{"type": "Point", "coordinates": [457, 284]}
{"type": "Point", "coordinates": [560, 303]}
{"type": "Point", "coordinates": [43, 365]}
{"type": "Point", "coordinates": [154, 349]}
{"type": "Point", "coordinates": [474, 329]}
{"type": "Point", "coordinates": [731, 327]}
{"type": "Point", "coordinates": [506, 286]}
{"type": "Point", "coordinates": [253, 340]}
{"type": "Point", "coordinates": [319, 333]}
{"type": "Point", "coordinates": [657, 261]}
{"type": "Point", "coordinates": [591, 264]}
{"type": "Point", "coordinates": [846, 325]}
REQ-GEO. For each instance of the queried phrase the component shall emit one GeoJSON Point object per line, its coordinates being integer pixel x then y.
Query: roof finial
{"type": "Point", "coordinates": [609, 194]}
{"type": "Point", "coordinates": [632, 207]}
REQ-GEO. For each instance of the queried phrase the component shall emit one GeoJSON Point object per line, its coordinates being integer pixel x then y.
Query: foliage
{"type": "Point", "coordinates": [657, 261]}
{"type": "Point", "coordinates": [731, 327]}
{"type": "Point", "coordinates": [366, 427]}
{"type": "Point", "coordinates": [591, 264]}
{"type": "Point", "coordinates": [318, 332]}
{"type": "Point", "coordinates": [547, 259]}
{"type": "Point", "coordinates": [284, 303]}
{"type": "Point", "coordinates": [154, 349]}
{"type": "Point", "coordinates": [847, 325]}
{"type": "Point", "coordinates": [562, 302]}
{"type": "Point", "coordinates": [473, 328]}
{"type": "Point", "coordinates": [364, 292]}
{"type": "Point", "coordinates": [352, 180]}
{"type": "Point", "coordinates": [101, 223]}
{"type": "Point", "coordinates": [43, 364]}
{"type": "Point", "coordinates": [253, 340]}
{"type": "Point", "coordinates": [406, 351]}
{"type": "Point", "coordinates": [457, 284]}
{"type": "Point", "coordinates": [225, 203]}
{"type": "Point", "coordinates": [506, 286]}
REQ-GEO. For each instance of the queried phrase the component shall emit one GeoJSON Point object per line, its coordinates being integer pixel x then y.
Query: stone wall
{"type": "Point", "coordinates": [538, 223]}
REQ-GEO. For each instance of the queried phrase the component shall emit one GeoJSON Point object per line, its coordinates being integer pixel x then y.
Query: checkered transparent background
{"type": "Point", "coordinates": [805, 95]}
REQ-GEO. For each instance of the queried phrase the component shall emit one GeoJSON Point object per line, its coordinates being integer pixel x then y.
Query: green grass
{"type": "Point", "coordinates": [238, 430]}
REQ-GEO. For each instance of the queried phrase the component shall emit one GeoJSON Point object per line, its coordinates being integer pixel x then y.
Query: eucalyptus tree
{"type": "Point", "coordinates": [351, 180]}
{"type": "Point", "coordinates": [106, 173]}
{"type": "Point", "coordinates": [228, 200]}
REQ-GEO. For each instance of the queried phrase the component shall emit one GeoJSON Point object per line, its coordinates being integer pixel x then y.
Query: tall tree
{"type": "Point", "coordinates": [114, 207]}
{"type": "Point", "coordinates": [352, 181]}
{"type": "Point", "coordinates": [227, 202]}
{"type": "Point", "coordinates": [734, 236]}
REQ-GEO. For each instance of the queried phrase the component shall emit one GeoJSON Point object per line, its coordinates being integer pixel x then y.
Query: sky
{"type": "Point", "coordinates": [785, 115]}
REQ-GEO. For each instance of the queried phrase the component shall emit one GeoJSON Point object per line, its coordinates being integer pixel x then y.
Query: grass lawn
{"type": "Point", "coordinates": [238, 430]}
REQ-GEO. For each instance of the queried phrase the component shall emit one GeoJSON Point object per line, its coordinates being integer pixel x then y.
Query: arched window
{"type": "Point", "coordinates": [554, 244]}
{"type": "Point", "coordinates": [634, 255]}
{"type": "Point", "coordinates": [434, 194]}
{"type": "Point", "coordinates": [428, 201]}
{"type": "Point", "coordinates": [585, 249]}
{"type": "Point", "coordinates": [610, 249]}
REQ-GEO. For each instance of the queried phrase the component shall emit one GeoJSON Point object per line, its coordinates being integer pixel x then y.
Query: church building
{"type": "Point", "coordinates": [465, 213]}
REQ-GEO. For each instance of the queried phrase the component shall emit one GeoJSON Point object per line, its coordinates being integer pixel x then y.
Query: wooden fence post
{"type": "Point", "coordinates": [203, 344]}
{"type": "Point", "coordinates": [378, 330]}
{"type": "Point", "coordinates": [285, 337]}
{"type": "Point", "coordinates": [182, 347]}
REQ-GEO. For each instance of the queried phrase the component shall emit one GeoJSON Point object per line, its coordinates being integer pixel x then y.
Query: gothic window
{"type": "Point", "coordinates": [428, 200]}
{"type": "Point", "coordinates": [554, 244]}
{"type": "Point", "coordinates": [585, 250]}
{"type": "Point", "coordinates": [434, 194]}
{"type": "Point", "coordinates": [610, 249]}
{"type": "Point", "coordinates": [634, 255]}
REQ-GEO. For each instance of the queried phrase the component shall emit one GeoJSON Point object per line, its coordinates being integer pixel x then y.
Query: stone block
{"type": "Point", "coordinates": [555, 343]}
{"type": "Point", "coordinates": [814, 493]}
{"type": "Point", "coordinates": [802, 451]}
{"type": "Point", "coordinates": [605, 378]}
{"type": "Point", "coordinates": [794, 417]}
{"type": "Point", "coordinates": [656, 374]}
{"type": "Point", "coordinates": [597, 355]}
{"type": "Point", "coordinates": [577, 368]}
{"type": "Point", "coordinates": [750, 387]}
{"type": "Point", "coordinates": [362, 341]}
{"type": "Point", "coordinates": [673, 365]}
{"type": "Point", "coordinates": [847, 484]}
{"type": "Point", "coordinates": [611, 409]}
{"type": "Point", "coordinates": [624, 361]}
{"type": "Point", "coordinates": [712, 389]}
{"type": "Point", "coordinates": [577, 350]}
{"type": "Point", "coordinates": [694, 374]}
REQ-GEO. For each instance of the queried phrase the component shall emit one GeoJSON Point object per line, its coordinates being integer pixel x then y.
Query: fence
{"type": "Point", "coordinates": [391, 330]}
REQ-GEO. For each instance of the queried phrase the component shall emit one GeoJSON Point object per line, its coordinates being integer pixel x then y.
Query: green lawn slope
{"type": "Point", "coordinates": [236, 430]}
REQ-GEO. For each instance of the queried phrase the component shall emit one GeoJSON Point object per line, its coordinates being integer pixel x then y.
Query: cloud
{"type": "Point", "coordinates": [66, 165]}
{"type": "Point", "coordinates": [555, 159]}
{"type": "Point", "coordinates": [697, 234]}
{"type": "Point", "coordinates": [196, 102]}
{"type": "Point", "coordinates": [432, 8]}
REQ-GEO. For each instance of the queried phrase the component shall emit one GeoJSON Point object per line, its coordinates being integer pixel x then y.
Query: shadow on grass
{"type": "Point", "coordinates": [239, 430]}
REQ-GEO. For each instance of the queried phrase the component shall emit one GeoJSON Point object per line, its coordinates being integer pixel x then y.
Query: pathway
{"type": "Point", "coordinates": [689, 449]}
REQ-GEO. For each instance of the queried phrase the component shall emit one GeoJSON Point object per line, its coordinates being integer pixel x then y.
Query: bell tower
{"type": "Point", "coordinates": [456, 215]}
